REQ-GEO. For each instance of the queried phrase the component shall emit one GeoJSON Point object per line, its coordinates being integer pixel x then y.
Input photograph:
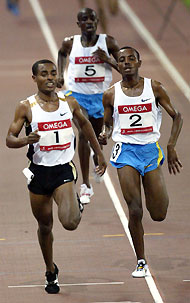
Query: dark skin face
{"type": "Point", "coordinates": [128, 63]}
{"type": "Point", "coordinates": [46, 79]}
{"type": "Point", "coordinates": [88, 21]}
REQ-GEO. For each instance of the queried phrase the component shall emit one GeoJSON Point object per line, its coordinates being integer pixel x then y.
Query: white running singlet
{"type": "Point", "coordinates": [137, 119]}
{"type": "Point", "coordinates": [87, 74]}
{"type": "Point", "coordinates": [56, 144]}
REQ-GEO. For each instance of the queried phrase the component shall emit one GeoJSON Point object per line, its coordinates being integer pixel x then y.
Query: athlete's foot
{"type": "Point", "coordinates": [85, 193]}
{"type": "Point", "coordinates": [52, 284]}
{"type": "Point", "coordinates": [141, 269]}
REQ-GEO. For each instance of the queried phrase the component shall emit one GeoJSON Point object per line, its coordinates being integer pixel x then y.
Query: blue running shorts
{"type": "Point", "coordinates": [143, 158]}
{"type": "Point", "coordinates": [92, 103]}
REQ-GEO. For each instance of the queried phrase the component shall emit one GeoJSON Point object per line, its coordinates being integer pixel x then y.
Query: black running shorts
{"type": "Point", "coordinates": [47, 178]}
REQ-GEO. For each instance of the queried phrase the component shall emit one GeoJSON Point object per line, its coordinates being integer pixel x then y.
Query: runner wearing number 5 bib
{"type": "Point", "coordinates": [133, 108]}
{"type": "Point", "coordinates": [89, 75]}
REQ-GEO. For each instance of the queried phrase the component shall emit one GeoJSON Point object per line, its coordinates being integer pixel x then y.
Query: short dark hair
{"type": "Point", "coordinates": [84, 10]}
{"type": "Point", "coordinates": [130, 47]}
{"type": "Point", "coordinates": [36, 64]}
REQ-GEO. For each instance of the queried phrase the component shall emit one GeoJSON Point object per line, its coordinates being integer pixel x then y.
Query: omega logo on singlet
{"type": "Point", "coordinates": [134, 108]}
{"type": "Point", "coordinates": [53, 125]}
{"type": "Point", "coordinates": [89, 60]}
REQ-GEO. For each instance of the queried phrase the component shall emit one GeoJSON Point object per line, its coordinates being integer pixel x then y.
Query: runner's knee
{"type": "Point", "coordinates": [158, 217]}
{"type": "Point", "coordinates": [45, 229]}
{"type": "Point", "coordinates": [135, 211]}
{"type": "Point", "coordinates": [70, 224]}
{"type": "Point", "coordinates": [159, 213]}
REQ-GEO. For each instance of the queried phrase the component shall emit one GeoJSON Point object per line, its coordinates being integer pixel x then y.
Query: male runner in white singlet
{"type": "Point", "coordinates": [89, 75]}
{"type": "Point", "coordinates": [51, 174]}
{"type": "Point", "coordinates": [133, 108]}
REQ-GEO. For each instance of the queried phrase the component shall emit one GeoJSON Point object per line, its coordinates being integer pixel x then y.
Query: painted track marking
{"type": "Point", "coordinates": [154, 234]}
{"type": "Point", "coordinates": [69, 284]}
{"type": "Point", "coordinates": [155, 48]}
{"type": "Point", "coordinates": [46, 30]}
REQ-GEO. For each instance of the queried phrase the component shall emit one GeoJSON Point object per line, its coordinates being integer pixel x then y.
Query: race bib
{"type": "Point", "coordinates": [55, 135]}
{"type": "Point", "coordinates": [116, 150]}
{"type": "Point", "coordinates": [89, 69]}
{"type": "Point", "coordinates": [135, 119]}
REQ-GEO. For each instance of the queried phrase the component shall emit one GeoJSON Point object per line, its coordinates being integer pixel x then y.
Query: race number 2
{"type": "Point", "coordinates": [135, 119]}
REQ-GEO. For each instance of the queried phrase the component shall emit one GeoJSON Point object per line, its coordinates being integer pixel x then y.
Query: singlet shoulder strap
{"type": "Point", "coordinates": [62, 99]}
{"type": "Point", "coordinates": [148, 82]}
{"type": "Point", "coordinates": [148, 85]}
{"type": "Point", "coordinates": [117, 86]}
{"type": "Point", "coordinates": [102, 37]}
{"type": "Point", "coordinates": [62, 96]}
{"type": "Point", "coordinates": [32, 100]}
{"type": "Point", "coordinates": [77, 39]}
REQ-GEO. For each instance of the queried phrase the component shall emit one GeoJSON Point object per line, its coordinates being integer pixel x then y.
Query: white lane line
{"type": "Point", "coordinates": [46, 30]}
{"type": "Point", "coordinates": [70, 284]}
{"type": "Point", "coordinates": [118, 207]}
{"type": "Point", "coordinates": [152, 286]}
{"type": "Point", "coordinates": [155, 48]}
{"type": "Point", "coordinates": [186, 280]}
{"type": "Point", "coordinates": [117, 204]}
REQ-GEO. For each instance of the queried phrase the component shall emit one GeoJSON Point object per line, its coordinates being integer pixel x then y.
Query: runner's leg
{"type": "Point", "coordinates": [42, 210]}
{"type": "Point", "coordinates": [156, 194]}
{"type": "Point", "coordinates": [69, 213]}
{"type": "Point", "coordinates": [129, 179]}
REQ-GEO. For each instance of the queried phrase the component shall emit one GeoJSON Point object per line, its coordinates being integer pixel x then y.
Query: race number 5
{"type": "Point", "coordinates": [90, 71]}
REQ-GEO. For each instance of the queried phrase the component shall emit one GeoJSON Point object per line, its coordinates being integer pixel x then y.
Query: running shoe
{"type": "Point", "coordinates": [141, 269]}
{"type": "Point", "coordinates": [85, 194]}
{"type": "Point", "coordinates": [52, 285]}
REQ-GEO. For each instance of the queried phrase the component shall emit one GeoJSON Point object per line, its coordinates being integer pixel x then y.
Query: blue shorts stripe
{"type": "Point", "coordinates": [160, 155]}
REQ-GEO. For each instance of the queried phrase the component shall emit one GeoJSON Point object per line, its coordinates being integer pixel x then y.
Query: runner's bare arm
{"type": "Point", "coordinates": [63, 52]}
{"type": "Point", "coordinates": [163, 99]}
{"type": "Point", "coordinates": [88, 132]}
{"type": "Point", "coordinates": [113, 48]}
{"type": "Point", "coordinates": [22, 115]}
{"type": "Point", "coordinates": [108, 101]}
